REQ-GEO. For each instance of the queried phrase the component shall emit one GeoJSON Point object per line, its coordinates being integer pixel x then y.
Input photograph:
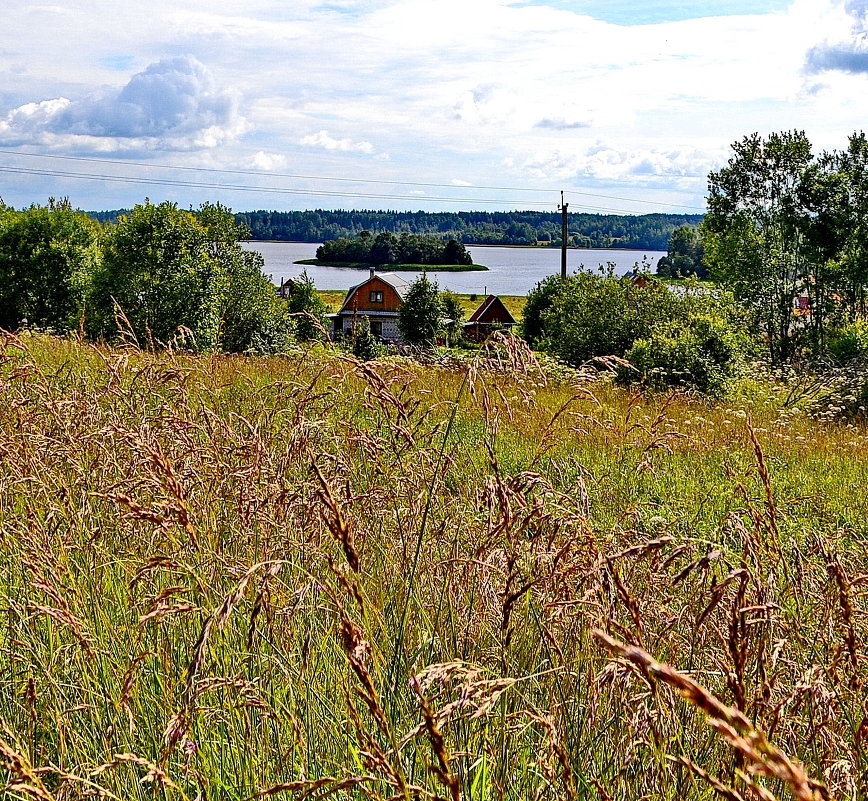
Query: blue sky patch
{"type": "Point", "coordinates": [630, 12]}
{"type": "Point", "coordinates": [119, 63]}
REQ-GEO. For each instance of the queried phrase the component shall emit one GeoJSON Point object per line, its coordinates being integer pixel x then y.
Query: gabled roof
{"type": "Point", "coordinates": [486, 305]}
{"type": "Point", "coordinates": [395, 281]}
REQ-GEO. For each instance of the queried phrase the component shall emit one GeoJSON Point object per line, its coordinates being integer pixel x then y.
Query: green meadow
{"type": "Point", "coordinates": [231, 577]}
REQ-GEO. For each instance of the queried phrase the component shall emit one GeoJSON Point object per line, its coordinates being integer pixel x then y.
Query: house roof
{"type": "Point", "coordinates": [486, 305]}
{"type": "Point", "coordinates": [395, 281]}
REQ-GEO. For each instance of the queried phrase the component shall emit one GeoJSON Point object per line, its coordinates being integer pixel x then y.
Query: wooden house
{"type": "Point", "coordinates": [378, 298]}
{"type": "Point", "coordinates": [492, 314]}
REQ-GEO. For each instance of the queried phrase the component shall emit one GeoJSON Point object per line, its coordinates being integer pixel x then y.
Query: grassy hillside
{"type": "Point", "coordinates": [229, 577]}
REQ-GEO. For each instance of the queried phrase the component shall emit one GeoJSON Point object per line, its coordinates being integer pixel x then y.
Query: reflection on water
{"type": "Point", "coordinates": [511, 271]}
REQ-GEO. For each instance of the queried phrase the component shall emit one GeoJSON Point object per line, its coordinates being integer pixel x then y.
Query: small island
{"type": "Point", "coordinates": [405, 251]}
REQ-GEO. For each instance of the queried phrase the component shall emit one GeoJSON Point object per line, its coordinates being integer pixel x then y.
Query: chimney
{"type": "Point", "coordinates": [373, 271]}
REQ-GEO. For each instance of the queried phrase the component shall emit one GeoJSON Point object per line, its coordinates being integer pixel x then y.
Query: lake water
{"type": "Point", "coordinates": [511, 271]}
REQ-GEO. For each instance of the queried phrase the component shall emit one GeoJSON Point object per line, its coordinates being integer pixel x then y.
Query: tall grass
{"type": "Point", "coordinates": [227, 577]}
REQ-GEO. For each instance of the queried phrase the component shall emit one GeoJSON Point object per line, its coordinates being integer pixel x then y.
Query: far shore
{"type": "Point", "coordinates": [415, 268]}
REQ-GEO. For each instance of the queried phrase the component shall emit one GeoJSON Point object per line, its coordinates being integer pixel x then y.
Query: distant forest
{"type": "Point", "coordinates": [641, 232]}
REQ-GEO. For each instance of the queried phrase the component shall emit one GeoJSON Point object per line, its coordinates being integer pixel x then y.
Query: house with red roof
{"type": "Point", "coordinates": [378, 298]}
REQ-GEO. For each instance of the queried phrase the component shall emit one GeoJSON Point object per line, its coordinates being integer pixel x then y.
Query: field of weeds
{"type": "Point", "coordinates": [300, 577]}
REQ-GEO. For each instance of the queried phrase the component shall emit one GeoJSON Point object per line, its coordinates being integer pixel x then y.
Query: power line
{"type": "Point", "coordinates": [297, 176]}
{"type": "Point", "coordinates": [283, 191]}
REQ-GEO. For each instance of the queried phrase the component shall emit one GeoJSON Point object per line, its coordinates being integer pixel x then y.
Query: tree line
{"type": "Point", "coordinates": [157, 274]}
{"type": "Point", "coordinates": [640, 232]}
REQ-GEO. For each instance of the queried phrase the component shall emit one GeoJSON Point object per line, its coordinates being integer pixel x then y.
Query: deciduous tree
{"type": "Point", "coordinates": [754, 230]}
{"type": "Point", "coordinates": [47, 257]}
{"type": "Point", "coordinates": [421, 314]}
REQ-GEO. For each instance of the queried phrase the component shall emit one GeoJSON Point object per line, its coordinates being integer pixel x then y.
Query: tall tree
{"type": "Point", "coordinates": [754, 230]}
{"type": "Point", "coordinates": [47, 257]}
{"type": "Point", "coordinates": [157, 270]}
{"type": "Point", "coordinates": [421, 314]}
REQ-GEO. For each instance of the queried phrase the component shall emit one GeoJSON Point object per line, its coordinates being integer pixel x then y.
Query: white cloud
{"type": "Point", "coordinates": [324, 140]}
{"type": "Point", "coordinates": [416, 90]}
{"type": "Point", "coordinates": [268, 162]}
{"type": "Point", "coordinates": [172, 105]}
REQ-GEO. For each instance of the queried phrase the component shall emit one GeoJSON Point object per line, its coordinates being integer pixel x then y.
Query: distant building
{"type": "Point", "coordinates": [378, 298]}
{"type": "Point", "coordinates": [640, 279]}
{"type": "Point", "coordinates": [491, 315]}
{"type": "Point", "coordinates": [285, 289]}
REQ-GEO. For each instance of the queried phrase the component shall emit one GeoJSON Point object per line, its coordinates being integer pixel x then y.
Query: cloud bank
{"type": "Point", "coordinates": [174, 104]}
{"type": "Point", "coordinates": [849, 54]}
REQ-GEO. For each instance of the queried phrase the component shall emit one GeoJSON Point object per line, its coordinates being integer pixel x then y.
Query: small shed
{"type": "Point", "coordinates": [286, 288]}
{"type": "Point", "coordinates": [492, 314]}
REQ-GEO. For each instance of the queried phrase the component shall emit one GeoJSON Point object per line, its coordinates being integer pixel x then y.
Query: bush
{"type": "Point", "coordinates": [421, 314]}
{"type": "Point", "coordinates": [692, 338]}
{"type": "Point", "coordinates": [849, 343]}
{"type": "Point", "coordinates": [364, 345]}
{"type": "Point", "coordinates": [702, 353]}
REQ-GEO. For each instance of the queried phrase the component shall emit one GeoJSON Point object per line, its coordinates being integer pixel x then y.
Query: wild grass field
{"type": "Point", "coordinates": [235, 577]}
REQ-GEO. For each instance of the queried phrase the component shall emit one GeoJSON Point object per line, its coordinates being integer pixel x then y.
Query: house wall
{"type": "Point", "coordinates": [388, 326]}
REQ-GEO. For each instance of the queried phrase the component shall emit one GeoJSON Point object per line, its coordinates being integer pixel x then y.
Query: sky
{"type": "Point", "coordinates": [439, 105]}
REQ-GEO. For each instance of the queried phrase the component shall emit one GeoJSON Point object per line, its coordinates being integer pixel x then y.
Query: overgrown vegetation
{"type": "Point", "coordinates": [696, 338]}
{"type": "Point", "coordinates": [229, 577]}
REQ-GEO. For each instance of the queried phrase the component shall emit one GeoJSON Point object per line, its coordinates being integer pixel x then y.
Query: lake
{"type": "Point", "coordinates": [511, 271]}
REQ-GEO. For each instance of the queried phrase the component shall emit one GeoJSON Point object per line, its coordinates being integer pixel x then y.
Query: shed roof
{"type": "Point", "coordinates": [486, 305]}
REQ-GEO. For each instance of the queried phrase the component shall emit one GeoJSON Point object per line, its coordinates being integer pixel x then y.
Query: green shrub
{"type": "Point", "coordinates": [702, 353]}
{"type": "Point", "coordinates": [364, 345]}
{"type": "Point", "coordinates": [690, 338]}
{"type": "Point", "coordinates": [849, 343]}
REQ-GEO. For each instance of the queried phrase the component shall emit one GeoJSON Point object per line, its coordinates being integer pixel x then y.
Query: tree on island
{"type": "Point", "coordinates": [389, 248]}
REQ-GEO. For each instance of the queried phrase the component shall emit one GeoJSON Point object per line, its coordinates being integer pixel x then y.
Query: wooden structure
{"type": "Point", "coordinates": [492, 314]}
{"type": "Point", "coordinates": [378, 298]}
{"type": "Point", "coordinates": [286, 288]}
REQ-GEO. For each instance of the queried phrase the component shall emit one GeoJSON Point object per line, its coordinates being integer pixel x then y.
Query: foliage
{"type": "Point", "coordinates": [420, 317]}
{"type": "Point", "coordinates": [593, 315]}
{"type": "Point", "coordinates": [848, 343]}
{"type": "Point", "coordinates": [685, 255]}
{"type": "Point", "coordinates": [539, 301]}
{"type": "Point", "coordinates": [691, 338]}
{"type": "Point", "coordinates": [753, 230]}
{"type": "Point", "coordinates": [47, 256]}
{"type": "Point", "coordinates": [453, 310]}
{"type": "Point", "coordinates": [643, 232]}
{"type": "Point", "coordinates": [166, 270]}
{"type": "Point", "coordinates": [157, 271]}
{"type": "Point", "coordinates": [389, 248]}
{"type": "Point", "coordinates": [308, 310]}
{"type": "Point", "coordinates": [364, 344]}
{"type": "Point", "coordinates": [703, 349]}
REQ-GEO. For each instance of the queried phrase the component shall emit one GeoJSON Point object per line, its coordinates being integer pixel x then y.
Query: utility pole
{"type": "Point", "coordinates": [564, 234]}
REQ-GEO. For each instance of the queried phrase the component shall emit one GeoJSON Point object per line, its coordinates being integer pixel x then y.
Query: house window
{"type": "Point", "coordinates": [377, 327]}
{"type": "Point", "coordinates": [376, 297]}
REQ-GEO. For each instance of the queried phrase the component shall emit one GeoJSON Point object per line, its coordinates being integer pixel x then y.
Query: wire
{"type": "Point", "coordinates": [346, 180]}
{"type": "Point", "coordinates": [284, 191]}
